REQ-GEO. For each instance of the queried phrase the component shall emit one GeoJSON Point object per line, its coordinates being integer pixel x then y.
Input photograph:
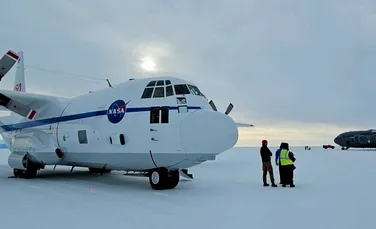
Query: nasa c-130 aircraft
{"type": "Point", "coordinates": [153, 127]}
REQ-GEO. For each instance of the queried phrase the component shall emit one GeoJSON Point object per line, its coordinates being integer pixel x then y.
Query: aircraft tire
{"type": "Point", "coordinates": [158, 179]}
{"type": "Point", "coordinates": [174, 178]}
{"type": "Point", "coordinates": [26, 174]}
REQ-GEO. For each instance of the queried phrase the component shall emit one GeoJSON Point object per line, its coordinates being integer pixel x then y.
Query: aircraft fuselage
{"type": "Point", "coordinates": [116, 129]}
{"type": "Point", "coordinates": [357, 139]}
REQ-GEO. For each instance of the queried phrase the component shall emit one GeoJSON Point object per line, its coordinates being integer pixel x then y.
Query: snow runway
{"type": "Point", "coordinates": [334, 189]}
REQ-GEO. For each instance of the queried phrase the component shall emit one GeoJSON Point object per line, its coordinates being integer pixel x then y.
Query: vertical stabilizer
{"type": "Point", "coordinates": [19, 81]}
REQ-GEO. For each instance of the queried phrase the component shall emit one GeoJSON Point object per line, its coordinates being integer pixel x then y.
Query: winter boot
{"type": "Point", "coordinates": [274, 185]}
{"type": "Point", "coordinates": [266, 184]}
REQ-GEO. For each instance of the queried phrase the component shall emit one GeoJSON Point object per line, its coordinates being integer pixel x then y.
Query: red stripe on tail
{"type": "Point", "coordinates": [12, 54]}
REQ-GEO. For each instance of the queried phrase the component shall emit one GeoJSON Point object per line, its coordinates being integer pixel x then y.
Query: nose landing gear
{"type": "Point", "coordinates": [163, 178]}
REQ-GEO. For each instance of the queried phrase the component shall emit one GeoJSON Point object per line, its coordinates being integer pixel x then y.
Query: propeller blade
{"type": "Point", "coordinates": [229, 108]}
{"type": "Point", "coordinates": [211, 103]}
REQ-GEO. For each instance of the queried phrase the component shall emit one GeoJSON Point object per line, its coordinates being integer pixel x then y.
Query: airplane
{"type": "Point", "coordinates": [357, 139]}
{"type": "Point", "coordinates": [155, 127]}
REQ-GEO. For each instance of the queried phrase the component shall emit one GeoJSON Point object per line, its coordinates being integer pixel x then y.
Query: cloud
{"type": "Point", "coordinates": [297, 62]}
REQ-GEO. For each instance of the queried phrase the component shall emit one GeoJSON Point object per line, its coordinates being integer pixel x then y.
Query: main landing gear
{"type": "Point", "coordinates": [30, 171]}
{"type": "Point", "coordinates": [162, 178]}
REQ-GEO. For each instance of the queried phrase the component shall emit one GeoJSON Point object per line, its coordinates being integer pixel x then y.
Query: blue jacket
{"type": "Point", "coordinates": [277, 154]}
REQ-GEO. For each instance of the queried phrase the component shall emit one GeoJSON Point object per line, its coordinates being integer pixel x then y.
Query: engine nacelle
{"type": "Point", "coordinates": [18, 160]}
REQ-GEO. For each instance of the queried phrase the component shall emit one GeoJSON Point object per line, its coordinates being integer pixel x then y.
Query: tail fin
{"type": "Point", "coordinates": [19, 80]}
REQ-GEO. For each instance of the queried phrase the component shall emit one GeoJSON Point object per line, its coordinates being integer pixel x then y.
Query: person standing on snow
{"type": "Point", "coordinates": [278, 162]}
{"type": "Point", "coordinates": [287, 160]}
{"type": "Point", "coordinates": [266, 155]}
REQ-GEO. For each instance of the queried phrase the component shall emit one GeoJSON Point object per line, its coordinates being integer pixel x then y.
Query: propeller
{"type": "Point", "coordinates": [228, 109]}
{"type": "Point", "coordinates": [211, 103]}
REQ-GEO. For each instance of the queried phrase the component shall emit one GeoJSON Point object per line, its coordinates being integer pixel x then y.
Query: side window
{"type": "Point", "coordinates": [164, 115]}
{"type": "Point", "coordinates": [160, 83]}
{"type": "Point", "coordinates": [181, 89]}
{"type": "Point", "coordinates": [159, 92]}
{"type": "Point", "coordinates": [147, 93]}
{"type": "Point", "coordinates": [82, 137]}
{"type": "Point", "coordinates": [122, 139]}
{"type": "Point", "coordinates": [181, 100]}
{"type": "Point", "coordinates": [169, 91]}
{"type": "Point", "coordinates": [154, 115]}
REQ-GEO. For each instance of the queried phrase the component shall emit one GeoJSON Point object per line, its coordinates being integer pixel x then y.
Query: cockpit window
{"type": "Point", "coordinates": [151, 83]}
{"type": "Point", "coordinates": [194, 90]}
{"type": "Point", "coordinates": [160, 83]}
{"type": "Point", "coordinates": [159, 92]}
{"type": "Point", "coordinates": [181, 89]}
{"type": "Point", "coordinates": [169, 91]}
{"type": "Point", "coordinates": [147, 93]}
{"type": "Point", "coordinates": [168, 82]}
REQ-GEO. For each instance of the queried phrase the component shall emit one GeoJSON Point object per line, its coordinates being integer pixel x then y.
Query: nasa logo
{"type": "Point", "coordinates": [116, 111]}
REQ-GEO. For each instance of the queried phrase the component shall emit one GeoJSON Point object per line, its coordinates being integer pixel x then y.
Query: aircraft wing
{"type": "Point", "coordinates": [30, 105]}
{"type": "Point", "coordinates": [244, 125]}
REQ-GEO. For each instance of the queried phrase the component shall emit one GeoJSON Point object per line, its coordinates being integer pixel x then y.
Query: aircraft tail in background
{"type": "Point", "coordinates": [19, 80]}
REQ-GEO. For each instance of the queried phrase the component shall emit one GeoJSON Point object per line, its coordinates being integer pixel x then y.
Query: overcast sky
{"type": "Point", "coordinates": [298, 70]}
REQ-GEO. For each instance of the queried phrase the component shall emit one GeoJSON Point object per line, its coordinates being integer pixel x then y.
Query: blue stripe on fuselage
{"type": "Point", "coordinates": [41, 122]}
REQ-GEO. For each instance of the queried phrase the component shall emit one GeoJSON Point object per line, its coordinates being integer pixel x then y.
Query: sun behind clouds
{"type": "Point", "coordinates": [148, 64]}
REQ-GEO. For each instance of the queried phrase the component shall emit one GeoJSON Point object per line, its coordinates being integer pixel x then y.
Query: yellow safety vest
{"type": "Point", "coordinates": [284, 157]}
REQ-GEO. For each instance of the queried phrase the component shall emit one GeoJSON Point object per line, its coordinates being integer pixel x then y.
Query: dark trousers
{"type": "Point", "coordinates": [280, 173]}
{"type": "Point", "coordinates": [287, 174]}
{"type": "Point", "coordinates": [267, 167]}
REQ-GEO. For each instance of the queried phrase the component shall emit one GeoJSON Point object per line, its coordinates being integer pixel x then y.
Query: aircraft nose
{"type": "Point", "coordinates": [338, 140]}
{"type": "Point", "coordinates": [208, 132]}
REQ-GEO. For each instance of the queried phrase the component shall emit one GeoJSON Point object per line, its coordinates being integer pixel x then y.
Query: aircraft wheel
{"type": "Point", "coordinates": [27, 174]}
{"type": "Point", "coordinates": [174, 178]}
{"type": "Point", "coordinates": [158, 179]}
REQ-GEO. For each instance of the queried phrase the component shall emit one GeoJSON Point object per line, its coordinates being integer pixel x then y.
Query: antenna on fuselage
{"type": "Point", "coordinates": [108, 81]}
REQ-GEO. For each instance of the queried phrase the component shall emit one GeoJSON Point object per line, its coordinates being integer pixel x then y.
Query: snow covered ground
{"type": "Point", "coordinates": [334, 189]}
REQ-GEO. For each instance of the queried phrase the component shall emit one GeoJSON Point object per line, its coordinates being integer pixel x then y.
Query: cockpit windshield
{"type": "Point", "coordinates": [194, 90]}
{"type": "Point", "coordinates": [181, 89]}
{"type": "Point", "coordinates": [164, 88]}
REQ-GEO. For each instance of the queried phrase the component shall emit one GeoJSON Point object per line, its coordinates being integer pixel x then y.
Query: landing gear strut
{"type": "Point", "coordinates": [162, 178]}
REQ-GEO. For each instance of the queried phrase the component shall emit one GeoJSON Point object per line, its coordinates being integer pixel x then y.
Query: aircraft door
{"type": "Point", "coordinates": [164, 135]}
{"type": "Point", "coordinates": [76, 137]}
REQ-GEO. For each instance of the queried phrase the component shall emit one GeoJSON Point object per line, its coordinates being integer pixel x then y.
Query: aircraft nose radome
{"type": "Point", "coordinates": [337, 140]}
{"type": "Point", "coordinates": [208, 132]}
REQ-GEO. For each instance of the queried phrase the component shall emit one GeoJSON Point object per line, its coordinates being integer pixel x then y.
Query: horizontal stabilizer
{"type": "Point", "coordinates": [17, 107]}
{"type": "Point", "coordinates": [30, 105]}
{"type": "Point", "coordinates": [7, 62]}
